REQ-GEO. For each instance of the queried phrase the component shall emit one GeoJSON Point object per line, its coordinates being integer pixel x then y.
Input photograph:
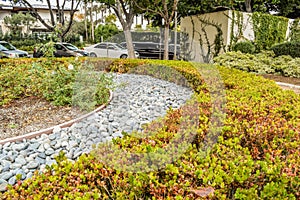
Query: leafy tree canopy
{"type": "Point", "coordinates": [287, 8]}
{"type": "Point", "coordinates": [15, 20]}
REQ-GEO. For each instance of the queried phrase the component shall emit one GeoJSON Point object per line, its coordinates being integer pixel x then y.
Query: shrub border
{"type": "Point", "coordinates": [62, 125]}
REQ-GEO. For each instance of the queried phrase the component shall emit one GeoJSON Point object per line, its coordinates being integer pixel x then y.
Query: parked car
{"type": "Point", "coordinates": [109, 50]}
{"type": "Point", "coordinates": [152, 50]}
{"type": "Point", "coordinates": [63, 50]}
{"type": "Point", "coordinates": [7, 50]}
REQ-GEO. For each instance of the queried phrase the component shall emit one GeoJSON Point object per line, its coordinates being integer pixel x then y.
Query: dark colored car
{"type": "Point", "coordinates": [152, 50]}
{"type": "Point", "coordinates": [9, 51]}
{"type": "Point", "coordinates": [63, 50]}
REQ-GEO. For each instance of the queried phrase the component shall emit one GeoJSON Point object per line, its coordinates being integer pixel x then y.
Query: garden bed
{"type": "Point", "coordinates": [256, 155]}
{"type": "Point", "coordinates": [31, 114]}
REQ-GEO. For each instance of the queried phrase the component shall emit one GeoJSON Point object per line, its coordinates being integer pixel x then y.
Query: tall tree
{"type": "Point", "coordinates": [85, 5]}
{"type": "Point", "coordinates": [125, 10]}
{"type": "Point", "coordinates": [57, 13]}
{"type": "Point", "coordinates": [92, 21]}
{"type": "Point", "coordinates": [165, 9]}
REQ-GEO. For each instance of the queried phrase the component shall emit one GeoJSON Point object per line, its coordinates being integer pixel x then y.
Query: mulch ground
{"type": "Point", "coordinates": [31, 114]}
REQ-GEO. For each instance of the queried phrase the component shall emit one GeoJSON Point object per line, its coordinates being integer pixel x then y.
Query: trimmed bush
{"type": "Point", "coordinates": [25, 44]}
{"type": "Point", "coordinates": [288, 48]}
{"type": "Point", "coordinates": [244, 47]}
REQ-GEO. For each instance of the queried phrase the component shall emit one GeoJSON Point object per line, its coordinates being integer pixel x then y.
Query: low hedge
{"type": "Point", "coordinates": [287, 48]}
{"type": "Point", "coordinates": [256, 155]}
{"type": "Point", "coordinates": [244, 47]}
{"type": "Point", "coordinates": [262, 63]}
{"type": "Point", "coordinates": [25, 44]}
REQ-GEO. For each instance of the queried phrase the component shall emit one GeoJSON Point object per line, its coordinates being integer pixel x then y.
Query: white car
{"type": "Point", "coordinates": [9, 51]}
{"type": "Point", "coordinates": [109, 50]}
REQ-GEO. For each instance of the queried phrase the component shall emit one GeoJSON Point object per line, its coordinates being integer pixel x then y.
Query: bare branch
{"type": "Point", "coordinates": [51, 13]}
{"type": "Point", "coordinates": [62, 13]}
{"type": "Point", "coordinates": [72, 12]}
{"type": "Point", "coordinates": [148, 9]}
{"type": "Point", "coordinates": [174, 9]}
{"type": "Point", "coordinates": [123, 4]}
{"type": "Point", "coordinates": [28, 5]}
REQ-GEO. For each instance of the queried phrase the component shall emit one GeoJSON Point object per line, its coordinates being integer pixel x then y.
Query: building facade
{"type": "Point", "coordinates": [7, 9]}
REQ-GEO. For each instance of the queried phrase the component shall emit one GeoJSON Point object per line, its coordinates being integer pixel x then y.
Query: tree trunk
{"type": "Point", "coordinates": [248, 6]}
{"type": "Point", "coordinates": [129, 43]}
{"type": "Point", "coordinates": [175, 36]}
{"type": "Point", "coordinates": [166, 42]}
{"type": "Point", "coordinates": [96, 18]}
{"type": "Point", "coordinates": [85, 23]}
{"type": "Point", "coordinates": [60, 37]}
{"type": "Point", "coordinates": [92, 23]}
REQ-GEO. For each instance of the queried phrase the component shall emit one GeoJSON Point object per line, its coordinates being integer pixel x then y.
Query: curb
{"type": "Point", "coordinates": [288, 85]}
{"type": "Point", "coordinates": [62, 125]}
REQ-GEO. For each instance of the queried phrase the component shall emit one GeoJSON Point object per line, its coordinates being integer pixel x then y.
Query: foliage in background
{"type": "Point", "coordinates": [262, 63]}
{"type": "Point", "coordinates": [105, 32]}
{"type": "Point", "coordinates": [125, 12]}
{"type": "Point", "coordinates": [256, 156]}
{"type": "Point", "coordinates": [76, 29]}
{"type": "Point", "coordinates": [22, 41]}
{"type": "Point", "coordinates": [244, 47]}
{"type": "Point", "coordinates": [61, 19]}
{"type": "Point", "coordinates": [287, 48]}
{"type": "Point", "coordinates": [164, 10]}
{"type": "Point", "coordinates": [47, 49]}
{"type": "Point", "coordinates": [286, 8]}
{"type": "Point", "coordinates": [52, 79]}
{"type": "Point", "coordinates": [15, 21]}
{"type": "Point", "coordinates": [295, 31]}
{"type": "Point", "coordinates": [268, 30]}
{"type": "Point", "coordinates": [110, 19]}
{"type": "Point", "coordinates": [236, 21]}
{"type": "Point", "coordinates": [25, 44]}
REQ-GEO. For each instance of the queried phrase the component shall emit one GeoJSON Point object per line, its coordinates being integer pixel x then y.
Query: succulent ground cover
{"type": "Point", "coordinates": [256, 155]}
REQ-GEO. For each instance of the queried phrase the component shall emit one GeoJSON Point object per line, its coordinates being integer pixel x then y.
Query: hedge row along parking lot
{"type": "Point", "coordinates": [256, 156]}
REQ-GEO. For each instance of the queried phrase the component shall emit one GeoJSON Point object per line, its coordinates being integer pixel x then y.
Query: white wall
{"type": "Point", "coordinates": [247, 28]}
{"type": "Point", "coordinates": [192, 26]}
